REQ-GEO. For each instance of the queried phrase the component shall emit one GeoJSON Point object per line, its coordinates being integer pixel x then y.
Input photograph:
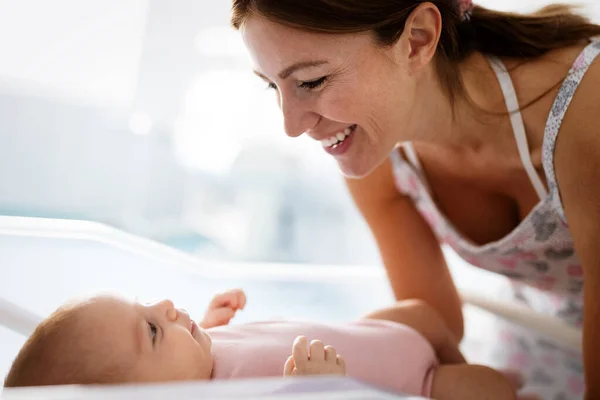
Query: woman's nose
{"type": "Point", "coordinates": [297, 119]}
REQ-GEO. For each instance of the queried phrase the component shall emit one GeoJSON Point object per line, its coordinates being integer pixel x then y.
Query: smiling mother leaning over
{"type": "Point", "coordinates": [412, 97]}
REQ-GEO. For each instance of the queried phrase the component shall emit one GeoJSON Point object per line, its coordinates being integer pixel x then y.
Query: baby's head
{"type": "Point", "coordinates": [111, 340]}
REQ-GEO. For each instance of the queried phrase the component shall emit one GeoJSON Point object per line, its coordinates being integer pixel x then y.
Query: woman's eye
{"type": "Point", "coordinates": [271, 85]}
{"type": "Point", "coordinates": [153, 331]}
{"type": "Point", "coordinates": [313, 84]}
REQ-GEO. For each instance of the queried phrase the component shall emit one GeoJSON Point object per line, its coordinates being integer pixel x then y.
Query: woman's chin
{"type": "Point", "coordinates": [355, 170]}
{"type": "Point", "coordinates": [362, 160]}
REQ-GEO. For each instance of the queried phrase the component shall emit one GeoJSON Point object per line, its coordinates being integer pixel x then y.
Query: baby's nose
{"type": "Point", "coordinates": [184, 315]}
{"type": "Point", "coordinates": [167, 307]}
{"type": "Point", "coordinates": [166, 304]}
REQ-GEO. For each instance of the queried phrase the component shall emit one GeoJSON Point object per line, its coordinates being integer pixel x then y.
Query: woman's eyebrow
{"type": "Point", "coordinates": [286, 72]}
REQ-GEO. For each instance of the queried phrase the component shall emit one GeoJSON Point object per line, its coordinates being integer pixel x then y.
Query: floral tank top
{"type": "Point", "coordinates": [538, 255]}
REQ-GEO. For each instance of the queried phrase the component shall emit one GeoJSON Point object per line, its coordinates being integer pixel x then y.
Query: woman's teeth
{"type": "Point", "coordinates": [338, 137]}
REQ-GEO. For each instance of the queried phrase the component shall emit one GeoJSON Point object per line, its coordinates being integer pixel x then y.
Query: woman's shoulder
{"type": "Point", "coordinates": [562, 80]}
{"type": "Point", "coordinates": [543, 76]}
{"type": "Point", "coordinates": [575, 110]}
{"type": "Point", "coordinates": [582, 85]}
{"type": "Point", "coordinates": [572, 142]}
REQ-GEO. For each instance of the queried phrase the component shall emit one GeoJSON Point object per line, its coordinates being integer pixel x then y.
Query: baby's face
{"type": "Point", "coordinates": [159, 342]}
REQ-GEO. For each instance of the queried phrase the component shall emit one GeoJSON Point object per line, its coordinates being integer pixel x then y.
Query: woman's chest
{"type": "Point", "coordinates": [496, 222]}
{"type": "Point", "coordinates": [479, 197]}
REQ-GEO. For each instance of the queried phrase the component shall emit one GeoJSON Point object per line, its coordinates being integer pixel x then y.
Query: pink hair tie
{"type": "Point", "coordinates": [465, 8]}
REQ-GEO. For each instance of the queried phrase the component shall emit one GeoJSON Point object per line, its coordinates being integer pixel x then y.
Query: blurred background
{"type": "Point", "coordinates": [145, 115]}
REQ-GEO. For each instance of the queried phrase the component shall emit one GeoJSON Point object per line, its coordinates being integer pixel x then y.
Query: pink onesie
{"type": "Point", "coordinates": [381, 353]}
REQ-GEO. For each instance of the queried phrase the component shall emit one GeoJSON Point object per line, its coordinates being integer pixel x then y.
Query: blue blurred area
{"type": "Point", "coordinates": [157, 126]}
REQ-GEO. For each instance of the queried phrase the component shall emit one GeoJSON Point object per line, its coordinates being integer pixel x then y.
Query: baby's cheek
{"type": "Point", "coordinates": [197, 360]}
{"type": "Point", "coordinates": [201, 366]}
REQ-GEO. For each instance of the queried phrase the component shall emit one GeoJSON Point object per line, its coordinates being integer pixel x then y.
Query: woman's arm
{"type": "Point", "coordinates": [426, 320]}
{"type": "Point", "coordinates": [410, 251]}
{"type": "Point", "coordinates": [471, 382]}
{"type": "Point", "coordinates": [577, 166]}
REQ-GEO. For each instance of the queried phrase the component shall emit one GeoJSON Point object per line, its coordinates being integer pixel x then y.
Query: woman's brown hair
{"type": "Point", "coordinates": [501, 34]}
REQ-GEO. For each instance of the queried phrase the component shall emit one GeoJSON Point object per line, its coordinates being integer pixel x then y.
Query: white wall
{"type": "Point", "coordinates": [72, 76]}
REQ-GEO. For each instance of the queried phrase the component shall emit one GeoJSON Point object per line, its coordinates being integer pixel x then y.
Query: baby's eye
{"type": "Point", "coordinates": [153, 331]}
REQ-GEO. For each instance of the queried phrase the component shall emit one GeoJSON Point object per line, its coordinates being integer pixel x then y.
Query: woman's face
{"type": "Point", "coordinates": [344, 91]}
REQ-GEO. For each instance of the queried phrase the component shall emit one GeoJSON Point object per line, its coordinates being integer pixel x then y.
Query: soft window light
{"type": "Point", "coordinates": [220, 41]}
{"type": "Point", "coordinates": [140, 124]}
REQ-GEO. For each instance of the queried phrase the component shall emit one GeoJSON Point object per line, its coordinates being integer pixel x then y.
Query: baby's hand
{"type": "Point", "coordinates": [223, 307]}
{"type": "Point", "coordinates": [318, 360]}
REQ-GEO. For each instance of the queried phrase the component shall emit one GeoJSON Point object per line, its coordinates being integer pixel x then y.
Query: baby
{"type": "Point", "coordinates": [405, 348]}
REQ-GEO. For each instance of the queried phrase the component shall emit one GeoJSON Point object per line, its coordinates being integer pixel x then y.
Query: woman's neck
{"type": "Point", "coordinates": [477, 119]}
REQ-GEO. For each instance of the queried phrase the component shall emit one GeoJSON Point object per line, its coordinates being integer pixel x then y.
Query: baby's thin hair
{"type": "Point", "coordinates": [56, 354]}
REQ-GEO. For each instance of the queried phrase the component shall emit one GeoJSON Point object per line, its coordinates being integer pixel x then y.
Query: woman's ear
{"type": "Point", "coordinates": [418, 43]}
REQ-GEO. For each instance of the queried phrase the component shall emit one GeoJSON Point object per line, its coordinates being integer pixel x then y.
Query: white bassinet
{"type": "Point", "coordinates": [45, 262]}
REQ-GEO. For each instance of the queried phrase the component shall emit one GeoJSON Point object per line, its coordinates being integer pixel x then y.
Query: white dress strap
{"type": "Point", "coordinates": [412, 155]}
{"type": "Point", "coordinates": [516, 120]}
{"type": "Point", "coordinates": [413, 159]}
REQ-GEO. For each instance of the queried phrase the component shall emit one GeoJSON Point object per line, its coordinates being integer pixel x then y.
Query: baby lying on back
{"type": "Point", "coordinates": [405, 348]}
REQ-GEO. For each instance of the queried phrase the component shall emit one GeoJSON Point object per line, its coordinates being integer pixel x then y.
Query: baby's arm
{"type": "Point", "coordinates": [427, 321]}
{"type": "Point", "coordinates": [222, 308]}
{"type": "Point", "coordinates": [317, 359]}
{"type": "Point", "coordinates": [470, 382]}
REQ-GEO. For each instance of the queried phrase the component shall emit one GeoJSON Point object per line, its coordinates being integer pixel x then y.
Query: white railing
{"type": "Point", "coordinates": [23, 321]}
{"type": "Point", "coordinates": [17, 319]}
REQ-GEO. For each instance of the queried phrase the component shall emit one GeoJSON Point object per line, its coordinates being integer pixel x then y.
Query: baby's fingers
{"type": "Point", "coordinates": [300, 352]}
{"type": "Point", "coordinates": [235, 298]}
{"type": "Point", "coordinates": [288, 368]}
{"type": "Point", "coordinates": [330, 354]}
{"type": "Point", "coordinates": [342, 363]}
{"type": "Point", "coordinates": [238, 298]}
{"type": "Point", "coordinates": [317, 350]}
